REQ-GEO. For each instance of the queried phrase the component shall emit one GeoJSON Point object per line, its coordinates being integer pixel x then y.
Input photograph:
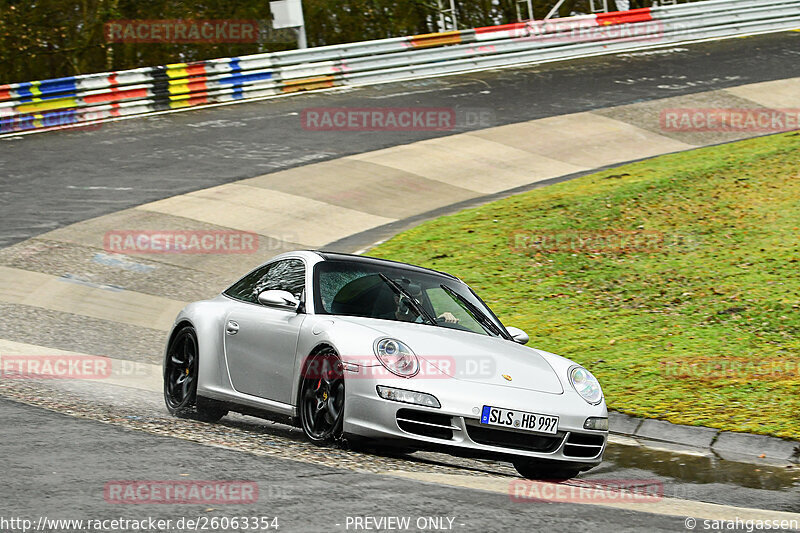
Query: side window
{"type": "Point", "coordinates": [287, 275]}
{"type": "Point", "coordinates": [243, 289]}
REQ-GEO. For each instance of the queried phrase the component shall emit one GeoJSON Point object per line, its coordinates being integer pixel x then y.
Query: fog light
{"type": "Point", "coordinates": [407, 396]}
{"type": "Point", "coordinates": [596, 423]}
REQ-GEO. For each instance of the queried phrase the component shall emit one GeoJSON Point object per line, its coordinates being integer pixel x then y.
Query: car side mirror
{"type": "Point", "coordinates": [279, 299]}
{"type": "Point", "coordinates": [518, 335]}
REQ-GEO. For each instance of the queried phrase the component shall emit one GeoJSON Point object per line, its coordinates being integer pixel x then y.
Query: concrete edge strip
{"type": "Point", "coordinates": [83, 297]}
{"type": "Point", "coordinates": [700, 440]}
{"type": "Point", "coordinates": [14, 357]}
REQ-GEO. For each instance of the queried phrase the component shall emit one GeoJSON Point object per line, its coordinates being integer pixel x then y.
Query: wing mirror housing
{"type": "Point", "coordinates": [518, 335]}
{"type": "Point", "coordinates": [279, 299]}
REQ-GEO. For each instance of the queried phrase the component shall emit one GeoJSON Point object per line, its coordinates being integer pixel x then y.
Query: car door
{"type": "Point", "coordinates": [261, 341]}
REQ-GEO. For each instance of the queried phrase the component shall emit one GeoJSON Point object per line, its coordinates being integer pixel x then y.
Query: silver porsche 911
{"type": "Point", "coordinates": [364, 350]}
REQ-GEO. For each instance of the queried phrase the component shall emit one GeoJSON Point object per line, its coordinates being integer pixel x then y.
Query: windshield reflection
{"type": "Point", "coordinates": [399, 294]}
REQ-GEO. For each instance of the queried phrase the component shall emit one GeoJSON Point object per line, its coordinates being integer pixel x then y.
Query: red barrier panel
{"type": "Point", "coordinates": [115, 95]}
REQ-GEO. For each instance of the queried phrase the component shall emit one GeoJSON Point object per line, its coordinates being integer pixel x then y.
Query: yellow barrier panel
{"type": "Point", "coordinates": [436, 39]}
{"type": "Point", "coordinates": [47, 105]}
{"type": "Point", "coordinates": [177, 70]}
{"type": "Point", "coordinates": [308, 84]}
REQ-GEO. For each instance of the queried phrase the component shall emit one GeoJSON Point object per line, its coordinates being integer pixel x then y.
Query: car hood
{"type": "Point", "coordinates": [468, 356]}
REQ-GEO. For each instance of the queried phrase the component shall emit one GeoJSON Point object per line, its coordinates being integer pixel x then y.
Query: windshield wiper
{"type": "Point", "coordinates": [401, 292]}
{"type": "Point", "coordinates": [482, 319]}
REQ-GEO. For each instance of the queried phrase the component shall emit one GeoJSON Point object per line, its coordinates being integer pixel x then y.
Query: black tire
{"type": "Point", "coordinates": [321, 403]}
{"type": "Point", "coordinates": [180, 380]}
{"type": "Point", "coordinates": [545, 471]}
{"type": "Point", "coordinates": [208, 410]}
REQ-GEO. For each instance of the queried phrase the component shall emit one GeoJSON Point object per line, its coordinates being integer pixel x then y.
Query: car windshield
{"type": "Point", "coordinates": [389, 292]}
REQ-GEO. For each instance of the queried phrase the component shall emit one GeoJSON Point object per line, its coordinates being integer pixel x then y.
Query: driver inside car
{"type": "Point", "coordinates": [406, 313]}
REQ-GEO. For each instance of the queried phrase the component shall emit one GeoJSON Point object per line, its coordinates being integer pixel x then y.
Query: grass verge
{"type": "Point", "coordinates": [676, 280]}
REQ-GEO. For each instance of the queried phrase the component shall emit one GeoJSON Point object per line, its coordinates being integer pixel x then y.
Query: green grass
{"type": "Point", "coordinates": [696, 322]}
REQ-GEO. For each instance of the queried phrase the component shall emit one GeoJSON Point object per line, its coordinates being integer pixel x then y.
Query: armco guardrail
{"type": "Point", "coordinates": [89, 98]}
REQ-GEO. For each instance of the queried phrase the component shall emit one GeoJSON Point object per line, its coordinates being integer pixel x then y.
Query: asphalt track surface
{"type": "Point", "coordinates": [310, 498]}
{"type": "Point", "coordinates": [54, 179]}
{"type": "Point", "coordinates": [56, 466]}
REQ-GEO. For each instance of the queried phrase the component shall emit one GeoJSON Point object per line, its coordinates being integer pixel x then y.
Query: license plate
{"type": "Point", "coordinates": [495, 416]}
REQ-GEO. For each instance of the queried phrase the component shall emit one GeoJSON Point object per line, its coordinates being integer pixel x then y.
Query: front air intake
{"type": "Point", "coordinates": [426, 424]}
{"type": "Point", "coordinates": [584, 445]}
{"type": "Point", "coordinates": [515, 440]}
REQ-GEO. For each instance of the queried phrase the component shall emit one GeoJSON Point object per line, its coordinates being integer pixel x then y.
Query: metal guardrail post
{"type": "Point", "coordinates": [448, 19]}
{"type": "Point", "coordinates": [555, 9]}
{"type": "Point", "coordinates": [596, 9]}
{"type": "Point", "coordinates": [529, 5]}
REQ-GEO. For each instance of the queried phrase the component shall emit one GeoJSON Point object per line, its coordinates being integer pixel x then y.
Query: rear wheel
{"type": "Point", "coordinates": [180, 380]}
{"type": "Point", "coordinates": [322, 398]}
{"type": "Point", "coordinates": [549, 471]}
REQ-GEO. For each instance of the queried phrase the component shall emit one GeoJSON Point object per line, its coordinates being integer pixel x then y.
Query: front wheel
{"type": "Point", "coordinates": [180, 380]}
{"type": "Point", "coordinates": [545, 471]}
{"type": "Point", "coordinates": [322, 398]}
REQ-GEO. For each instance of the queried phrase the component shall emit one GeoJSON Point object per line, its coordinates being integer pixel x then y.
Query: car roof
{"type": "Point", "coordinates": [352, 258]}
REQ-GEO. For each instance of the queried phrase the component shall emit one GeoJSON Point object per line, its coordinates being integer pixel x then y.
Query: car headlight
{"type": "Point", "coordinates": [586, 385]}
{"type": "Point", "coordinates": [397, 357]}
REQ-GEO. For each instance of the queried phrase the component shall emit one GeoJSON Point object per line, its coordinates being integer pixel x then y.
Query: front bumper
{"type": "Point", "coordinates": [456, 425]}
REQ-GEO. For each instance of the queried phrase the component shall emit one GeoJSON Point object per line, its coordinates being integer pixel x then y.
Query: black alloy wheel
{"type": "Point", "coordinates": [322, 398]}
